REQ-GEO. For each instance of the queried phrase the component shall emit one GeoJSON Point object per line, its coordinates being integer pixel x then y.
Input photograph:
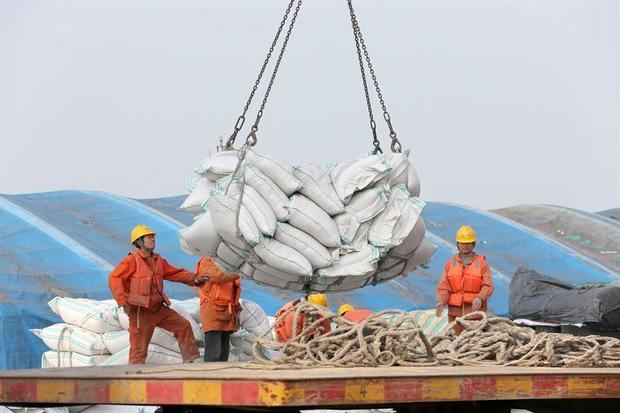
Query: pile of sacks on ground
{"type": "Point", "coordinates": [94, 333]}
{"type": "Point", "coordinates": [308, 228]}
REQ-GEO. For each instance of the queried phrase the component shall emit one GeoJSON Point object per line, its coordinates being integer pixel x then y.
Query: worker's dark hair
{"type": "Point", "coordinates": [138, 243]}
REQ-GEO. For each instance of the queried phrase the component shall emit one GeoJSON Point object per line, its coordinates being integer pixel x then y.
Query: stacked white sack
{"type": "Point", "coordinates": [308, 228]}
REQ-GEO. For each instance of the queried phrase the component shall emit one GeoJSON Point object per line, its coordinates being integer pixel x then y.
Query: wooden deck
{"type": "Point", "coordinates": [251, 385]}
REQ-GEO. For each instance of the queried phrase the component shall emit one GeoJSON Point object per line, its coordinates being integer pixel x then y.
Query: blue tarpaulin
{"type": "Point", "coordinates": [65, 243]}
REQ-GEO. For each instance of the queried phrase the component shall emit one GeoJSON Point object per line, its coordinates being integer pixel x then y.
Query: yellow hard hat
{"type": "Point", "coordinates": [466, 235]}
{"type": "Point", "coordinates": [344, 308]}
{"type": "Point", "coordinates": [319, 299]}
{"type": "Point", "coordinates": [139, 231]}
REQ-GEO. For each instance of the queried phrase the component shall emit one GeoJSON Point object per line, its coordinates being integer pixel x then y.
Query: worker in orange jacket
{"type": "Point", "coordinates": [355, 315]}
{"type": "Point", "coordinates": [466, 284]}
{"type": "Point", "coordinates": [137, 285]}
{"type": "Point", "coordinates": [284, 325]}
{"type": "Point", "coordinates": [219, 308]}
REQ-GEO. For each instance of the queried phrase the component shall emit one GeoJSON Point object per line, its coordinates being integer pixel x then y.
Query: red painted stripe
{"type": "Point", "coordinates": [403, 390]}
{"type": "Point", "coordinates": [549, 386]}
{"type": "Point", "coordinates": [96, 392]}
{"type": "Point", "coordinates": [164, 392]}
{"type": "Point", "coordinates": [478, 388]}
{"type": "Point", "coordinates": [19, 390]}
{"type": "Point", "coordinates": [238, 393]}
{"type": "Point", "coordinates": [325, 391]}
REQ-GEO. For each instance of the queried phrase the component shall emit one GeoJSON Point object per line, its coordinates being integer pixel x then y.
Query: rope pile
{"type": "Point", "coordinates": [393, 338]}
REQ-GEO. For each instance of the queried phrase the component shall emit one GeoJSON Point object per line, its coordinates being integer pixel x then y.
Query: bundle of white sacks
{"type": "Point", "coordinates": [94, 333]}
{"type": "Point", "coordinates": [308, 228]}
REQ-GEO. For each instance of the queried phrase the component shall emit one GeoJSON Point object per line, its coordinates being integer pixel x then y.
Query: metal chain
{"type": "Point", "coordinates": [241, 119]}
{"type": "Point", "coordinates": [395, 145]}
{"type": "Point", "coordinates": [252, 139]}
{"type": "Point", "coordinates": [373, 125]}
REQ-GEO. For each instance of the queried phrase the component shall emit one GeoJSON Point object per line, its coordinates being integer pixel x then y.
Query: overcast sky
{"type": "Point", "coordinates": [501, 102]}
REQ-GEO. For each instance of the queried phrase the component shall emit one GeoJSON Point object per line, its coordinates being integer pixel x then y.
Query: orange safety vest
{"type": "Point", "coordinates": [465, 282]}
{"type": "Point", "coordinates": [284, 326]}
{"type": "Point", "coordinates": [146, 285]}
{"type": "Point", "coordinates": [223, 296]}
{"type": "Point", "coordinates": [357, 316]}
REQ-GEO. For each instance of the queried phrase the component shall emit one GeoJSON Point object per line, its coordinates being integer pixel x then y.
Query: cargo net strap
{"type": "Point", "coordinates": [392, 338]}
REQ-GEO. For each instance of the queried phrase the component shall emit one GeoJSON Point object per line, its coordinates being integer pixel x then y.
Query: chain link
{"type": "Point", "coordinates": [241, 119]}
{"type": "Point", "coordinates": [252, 139]}
{"type": "Point", "coordinates": [359, 42]}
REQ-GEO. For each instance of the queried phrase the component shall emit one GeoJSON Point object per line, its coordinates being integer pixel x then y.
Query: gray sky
{"type": "Point", "coordinates": [502, 102]}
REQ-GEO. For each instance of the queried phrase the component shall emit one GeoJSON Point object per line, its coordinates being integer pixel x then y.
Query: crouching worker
{"type": "Point", "coordinates": [219, 308]}
{"type": "Point", "coordinates": [137, 284]}
{"type": "Point", "coordinates": [285, 323]}
{"type": "Point", "coordinates": [355, 315]}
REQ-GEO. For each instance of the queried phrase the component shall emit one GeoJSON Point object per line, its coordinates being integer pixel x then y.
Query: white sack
{"type": "Point", "coordinates": [403, 172]}
{"type": "Point", "coordinates": [282, 257]}
{"type": "Point", "coordinates": [230, 260]}
{"type": "Point", "coordinates": [310, 218]}
{"type": "Point", "coordinates": [421, 256]}
{"type": "Point", "coordinates": [317, 186]}
{"type": "Point", "coordinates": [411, 241]}
{"type": "Point", "coordinates": [218, 165]}
{"type": "Point", "coordinates": [260, 210]}
{"type": "Point", "coordinates": [65, 337]}
{"type": "Point", "coordinates": [156, 355]}
{"type": "Point", "coordinates": [358, 175]}
{"type": "Point", "coordinates": [274, 196]}
{"type": "Point", "coordinates": [266, 275]}
{"type": "Point", "coordinates": [198, 335]}
{"type": "Point", "coordinates": [364, 206]}
{"type": "Point", "coordinates": [224, 213]}
{"type": "Point", "coordinates": [243, 340]}
{"type": "Point", "coordinates": [116, 341]}
{"type": "Point", "coordinates": [92, 315]}
{"type": "Point", "coordinates": [191, 306]}
{"type": "Point", "coordinates": [313, 250]}
{"type": "Point", "coordinates": [200, 238]}
{"type": "Point", "coordinates": [52, 359]}
{"type": "Point", "coordinates": [246, 270]}
{"type": "Point", "coordinates": [279, 172]}
{"type": "Point", "coordinates": [253, 319]}
{"type": "Point", "coordinates": [201, 189]}
{"type": "Point", "coordinates": [396, 221]}
{"type": "Point", "coordinates": [360, 240]}
{"type": "Point", "coordinates": [362, 263]}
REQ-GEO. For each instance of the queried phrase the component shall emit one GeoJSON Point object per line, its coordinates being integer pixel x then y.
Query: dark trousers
{"type": "Point", "coordinates": [217, 345]}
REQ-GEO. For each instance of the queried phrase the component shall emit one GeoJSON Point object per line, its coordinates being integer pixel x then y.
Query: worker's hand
{"type": "Point", "coordinates": [201, 280]}
{"type": "Point", "coordinates": [126, 309]}
{"type": "Point", "coordinates": [439, 310]}
{"type": "Point", "coordinates": [477, 304]}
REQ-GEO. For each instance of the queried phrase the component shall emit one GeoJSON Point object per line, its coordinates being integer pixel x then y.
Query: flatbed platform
{"type": "Point", "coordinates": [248, 385]}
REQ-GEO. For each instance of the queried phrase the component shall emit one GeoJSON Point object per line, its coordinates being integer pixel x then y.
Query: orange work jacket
{"type": "Point", "coordinates": [357, 316]}
{"type": "Point", "coordinates": [219, 297]}
{"type": "Point", "coordinates": [139, 281]}
{"type": "Point", "coordinates": [461, 285]}
{"type": "Point", "coordinates": [284, 326]}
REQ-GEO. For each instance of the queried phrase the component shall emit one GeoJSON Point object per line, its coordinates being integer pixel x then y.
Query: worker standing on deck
{"type": "Point", "coordinates": [352, 314]}
{"type": "Point", "coordinates": [137, 285]}
{"type": "Point", "coordinates": [466, 284]}
{"type": "Point", "coordinates": [284, 325]}
{"type": "Point", "coordinates": [219, 308]}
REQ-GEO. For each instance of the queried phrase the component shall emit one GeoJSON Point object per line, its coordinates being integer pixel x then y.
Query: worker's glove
{"type": "Point", "coordinates": [201, 280]}
{"type": "Point", "coordinates": [439, 310]}
{"type": "Point", "coordinates": [477, 304]}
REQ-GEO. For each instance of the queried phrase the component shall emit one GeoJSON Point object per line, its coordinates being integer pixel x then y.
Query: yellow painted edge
{"type": "Point", "coordinates": [520, 387]}
{"type": "Point", "coordinates": [366, 391]}
{"type": "Point", "coordinates": [206, 392]}
{"type": "Point", "coordinates": [279, 394]}
{"type": "Point", "coordinates": [585, 386]}
{"type": "Point", "coordinates": [441, 388]}
{"type": "Point", "coordinates": [128, 391]}
{"type": "Point", "coordinates": [55, 390]}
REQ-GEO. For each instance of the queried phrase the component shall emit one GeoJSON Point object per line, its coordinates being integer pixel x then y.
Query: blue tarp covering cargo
{"type": "Point", "coordinates": [65, 243]}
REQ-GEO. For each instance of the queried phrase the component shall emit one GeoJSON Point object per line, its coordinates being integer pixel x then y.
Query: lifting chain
{"type": "Point", "coordinates": [252, 139]}
{"type": "Point", "coordinates": [241, 119]}
{"type": "Point", "coordinates": [359, 42]}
